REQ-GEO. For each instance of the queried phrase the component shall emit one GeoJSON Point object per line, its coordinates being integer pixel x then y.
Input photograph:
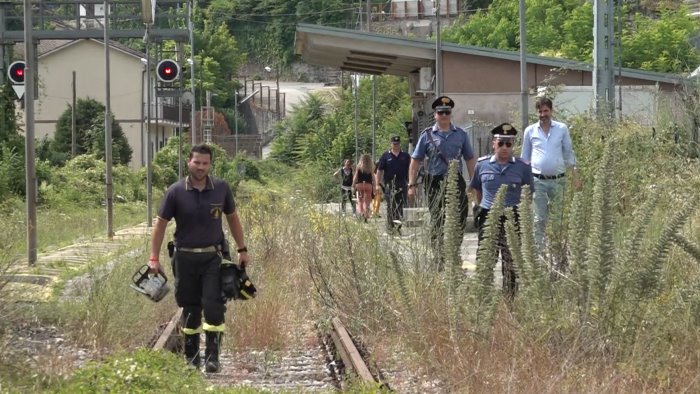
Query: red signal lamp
{"type": "Point", "coordinates": [168, 70]}
{"type": "Point", "coordinates": [16, 72]}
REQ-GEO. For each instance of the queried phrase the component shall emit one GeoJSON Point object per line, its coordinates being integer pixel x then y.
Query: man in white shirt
{"type": "Point", "coordinates": [547, 147]}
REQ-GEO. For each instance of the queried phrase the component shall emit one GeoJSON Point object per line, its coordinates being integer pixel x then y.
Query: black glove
{"type": "Point", "coordinates": [235, 283]}
{"type": "Point", "coordinates": [477, 211]}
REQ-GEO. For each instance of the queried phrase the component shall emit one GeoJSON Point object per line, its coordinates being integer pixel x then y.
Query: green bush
{"type": "Point", "coordinates": [142, 371]}
{"type": "Point", "coordinates": [82, 181]}
{"type": "Point", "coordinates": [90, 134]}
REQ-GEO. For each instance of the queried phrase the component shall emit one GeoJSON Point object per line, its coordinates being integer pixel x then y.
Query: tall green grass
{"type": "Point", "coordinates": [61, 226]}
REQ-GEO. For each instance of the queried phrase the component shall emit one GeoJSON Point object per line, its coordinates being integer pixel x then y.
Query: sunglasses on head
{"type": "Point", "coordinates": [506, 143]}
{"type": "Point", "coordinates": [444, 112]}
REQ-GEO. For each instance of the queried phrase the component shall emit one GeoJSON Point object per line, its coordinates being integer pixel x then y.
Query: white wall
{"type": "Point", "coordinates": [86, 58]}
{"type": "Point", "coordinates": [638, 102]}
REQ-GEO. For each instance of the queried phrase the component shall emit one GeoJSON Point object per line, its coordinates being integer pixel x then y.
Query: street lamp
{"type": "Point", "coordinates": [277, 91]}
{"type": "Point", "coordinates": [438, 50]}
{"type": "Point", "coordinates": [235, 119]}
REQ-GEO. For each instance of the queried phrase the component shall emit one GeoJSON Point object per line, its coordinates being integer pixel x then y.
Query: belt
{"type": "Point", "coordinates": [206, 249]}
{"type": "Point", "coordinates": [545, 177]}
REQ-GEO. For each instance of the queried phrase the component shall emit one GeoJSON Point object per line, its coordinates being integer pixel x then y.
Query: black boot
{"type": "Point", "coordinates": [192, 349]}
{"type": "Point", "coordinates": [211, 352]}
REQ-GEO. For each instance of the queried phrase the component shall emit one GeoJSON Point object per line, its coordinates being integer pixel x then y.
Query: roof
{"type": "Point", "coordinates": [47, 47]}
{"type": "Point", "coordinates": [375, 53]}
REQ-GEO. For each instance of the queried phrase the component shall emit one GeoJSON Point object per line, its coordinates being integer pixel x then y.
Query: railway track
{"type": "Point", "coordinates": [321, 362]}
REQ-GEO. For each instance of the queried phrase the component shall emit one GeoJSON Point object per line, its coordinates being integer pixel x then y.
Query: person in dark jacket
{"type": "Point", "coordinates": [346, 173]}
{"type": "Point", "coordinates": [198, 204]}
{"type": "Point", "coordinates": [392, 178]}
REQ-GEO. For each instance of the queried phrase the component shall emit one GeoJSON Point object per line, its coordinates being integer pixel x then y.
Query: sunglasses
{"type": "Point", "coordinates": [444, 112]}
{"type": "Point", "coordinates": [506, 143]}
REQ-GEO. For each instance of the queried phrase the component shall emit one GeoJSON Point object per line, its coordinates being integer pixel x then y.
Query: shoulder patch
{"type": "Point", "coordinates": [482, 158]}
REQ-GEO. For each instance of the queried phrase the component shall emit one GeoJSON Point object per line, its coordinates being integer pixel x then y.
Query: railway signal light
{"type": "Point", "coordinates": [168, 70]}
{"type": "Point", "coordinates": [16, 72]}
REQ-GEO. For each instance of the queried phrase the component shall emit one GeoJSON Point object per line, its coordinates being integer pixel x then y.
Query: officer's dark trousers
{"type": "Point", "coordinates": [435, 189]}
{"type": "Point", "coordinates": [395, 202]}
{"type": "Point", "coordinates": [198, 288]}
{"type": "Point", "coordinates": [510, 284]}
{"type": "Point", "coordinates": [346, 196]}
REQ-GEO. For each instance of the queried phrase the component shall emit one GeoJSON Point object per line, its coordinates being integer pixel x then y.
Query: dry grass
{"type": "Point", "coordinates": [284, 302]}
{"type": "Point", "coordinates": [518, 352]}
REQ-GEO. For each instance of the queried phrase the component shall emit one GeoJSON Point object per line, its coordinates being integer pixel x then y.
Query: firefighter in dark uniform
{"type": "Point", "coordinates": [493, 171]}
{"type": "Point", "coordinates": [199, 203]}
{"type": "Point", "coordinates": [392, 180]}
{"type": "Point", "coordinates": [441, 143]}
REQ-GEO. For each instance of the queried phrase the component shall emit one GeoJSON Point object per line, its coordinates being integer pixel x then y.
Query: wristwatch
{"type": "Point", "coordinates": [241, 250]}
{"type": "Point", "coordinates": [410, 185]}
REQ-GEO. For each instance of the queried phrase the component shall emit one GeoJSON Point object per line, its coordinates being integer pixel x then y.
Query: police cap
{"type": "Point", "coordinates": [443, 103]}
{"type": "Point", "coordinates": [396, 138]}
{"type": "Point", "coordinates": [504, 130]}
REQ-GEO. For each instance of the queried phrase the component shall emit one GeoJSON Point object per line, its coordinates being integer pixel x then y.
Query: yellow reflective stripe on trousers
{"type": "Point", "coordinates": [191, 331]}
{"type": "Point", "coordinates": [220, 328]}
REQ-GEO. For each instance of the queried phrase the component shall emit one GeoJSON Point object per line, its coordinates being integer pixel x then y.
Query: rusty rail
{"type": "Point", "coordinates": [167, 339]}
{"type": "Point", "coordinates": [348, 352]}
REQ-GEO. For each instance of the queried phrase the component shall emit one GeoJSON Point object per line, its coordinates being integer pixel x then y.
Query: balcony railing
{"type": "Point", "coordinates": [168, 114]}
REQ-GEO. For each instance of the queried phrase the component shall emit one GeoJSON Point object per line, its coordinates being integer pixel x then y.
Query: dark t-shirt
{"type": "Point", "coordinates": [364, 177]}
{"type": "Point", "coordinates": [197, 213]}
{"type": "Point", "coordinates": [347, 174]}
{"type": "Point", "coordinates": [395, 167]}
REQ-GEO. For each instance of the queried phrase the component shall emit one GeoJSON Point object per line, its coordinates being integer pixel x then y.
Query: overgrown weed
{"type": "Point", "coordinates": [621, 318]}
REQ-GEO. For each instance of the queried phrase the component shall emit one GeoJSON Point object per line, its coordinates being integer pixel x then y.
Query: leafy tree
{"type": "Point", "coordinates": [261, 26]}
{"type": "Point", "coordinates": [218, 59]}
{"type": "Point", "coordinates": [11, 143]}
{"type": "Point", "coordinates": [662, 44]}
{"type": "Point", "coordinates": [234, 117]}
{"type": "Point", "coordinates": [474, 5]}
{"type": "Point", "coordinates": [564, 28]}
{"type": "Point", "coordinates": [89, 134]}
{"type": "Point", "coordinates": [8, 117]}
{"type": "Point", "coordinates": [322, 131]}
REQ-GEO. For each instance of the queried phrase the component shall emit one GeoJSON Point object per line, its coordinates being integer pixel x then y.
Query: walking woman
{"type": "Point", "coordinates": [364, 184]}
{"type": "Point", "coordinates": [347, 174]}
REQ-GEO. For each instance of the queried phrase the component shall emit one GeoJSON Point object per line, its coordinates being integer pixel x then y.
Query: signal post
{"type": "Point", "coordinates": [13, 16]}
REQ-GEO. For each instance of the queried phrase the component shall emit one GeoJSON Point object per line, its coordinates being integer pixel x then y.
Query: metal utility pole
{"type": "Point", "coordinates": [438, 52]}
{"type": "Point", "coordinates": [235, 119]}
{"type": "Point", "coordinates": [369, 15]}
{"type": "Point", "coordinates": [180, 56]}
{"type": "Point", "coordinates": [210, 120]}
{"type": "Point", "coordinates": [73, 136]}
{"type": "Point", "coordinates": [179, 134]}
{"type": "Point", "coordinates": [193, 124]}
{"type": "Point", "coordinates": [619, 51]}
{"type": "Point", "coordinates": [277, 93]}
{"type": "Point", "coordinates": [355, 84]}
{"type": "Point", "coordinates": [149, 151]}
{"type": "Point", "coordinates": [374, 121]}
{"type": "Point", "coordinates": [603, 73]}
{"type": "Point", "coordinates": [29, 152]}
{"type": "Point", "coordinates": [523, 69]}
{"type": "Point", "coordinates": [108, 129]}
{"type": "Point", "coordinates": [3, 63]}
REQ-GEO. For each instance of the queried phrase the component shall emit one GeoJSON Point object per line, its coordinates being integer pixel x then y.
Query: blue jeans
{"type": "Point", "coordinates": [547, 204]}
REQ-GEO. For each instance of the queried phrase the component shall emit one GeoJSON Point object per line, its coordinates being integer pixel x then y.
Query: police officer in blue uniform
{"type": "Point", "coordinates": [493, 171]}
{"type": "Point", "coordinates": [392, 179]}
{"type": "Point", "coordinates": [441, 143]}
